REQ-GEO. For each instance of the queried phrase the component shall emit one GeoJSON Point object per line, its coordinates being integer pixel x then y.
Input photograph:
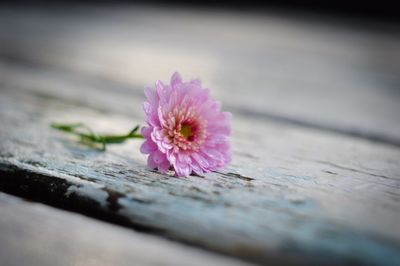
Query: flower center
{"type": "Point", "coordinates": [184, 129]}
{"type": "Point", "coordinates": [187, 131]}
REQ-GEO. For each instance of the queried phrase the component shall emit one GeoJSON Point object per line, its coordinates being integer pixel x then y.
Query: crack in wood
{"type": "Point", "coordinates": [53, 191]}
{"type": "Point", "coordinates": [236, 175]}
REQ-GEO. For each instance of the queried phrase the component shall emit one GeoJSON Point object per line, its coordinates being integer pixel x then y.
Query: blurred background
{"type": "Point", "coordinates": [329, 66]}
{"type": "Point", "coordinates": [333, 66]}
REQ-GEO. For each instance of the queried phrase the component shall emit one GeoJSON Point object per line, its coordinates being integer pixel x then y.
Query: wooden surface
{"type": "Point", "coordinates": [340, 75]}
{"type": "Point", "coordinates": [315, 176]}
{"type": "Point", "coordinates": [34, 234]}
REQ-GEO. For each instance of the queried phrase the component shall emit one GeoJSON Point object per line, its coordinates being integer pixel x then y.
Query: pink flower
{"type": "Point", "coordinates": [186, 130]}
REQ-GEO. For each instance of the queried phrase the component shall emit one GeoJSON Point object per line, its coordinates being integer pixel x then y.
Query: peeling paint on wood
{"type": "Point", "coordinates": [34, 234]}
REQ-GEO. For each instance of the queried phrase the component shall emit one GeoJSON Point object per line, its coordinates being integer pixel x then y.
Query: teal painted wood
{"type": "Point", "coordinates": [34, 234]}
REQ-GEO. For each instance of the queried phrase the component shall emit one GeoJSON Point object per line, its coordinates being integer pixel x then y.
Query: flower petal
{"type": "Point", "coordinates": [151, 164]}
{"type": "Point", "coordinates": [182, 169]}
{"type": "Point", "coordinates": [179, 107]}
{"type": "Point", "coordinates": [175, 80]}
{"type": "Point", "coordinates": [151, 95]}
{"type": "Point", "coordinates": [146, 131]}
{"type": "Point", "coordinates": [159, 157]}
{"type": "Point", "coordinates": [164, 166]}
{"type": "Point", "coordinates": [148, 147]}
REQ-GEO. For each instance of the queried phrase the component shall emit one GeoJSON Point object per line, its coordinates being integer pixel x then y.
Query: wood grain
{"type": "Point", "coordinates": [293, 193]}
{"type": "Point", "coordinates": [290, 193]}
{"type": "Point", "coordinates": [34, 234]}
{"type": "Point", "coordinates": [329, 74]}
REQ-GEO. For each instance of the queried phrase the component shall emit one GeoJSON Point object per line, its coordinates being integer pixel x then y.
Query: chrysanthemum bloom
{"type": "Point", "coordinates": [186, 130]}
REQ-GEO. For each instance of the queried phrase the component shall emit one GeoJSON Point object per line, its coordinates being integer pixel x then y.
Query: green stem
{"type": "Point", "coordinates": [89, 137]}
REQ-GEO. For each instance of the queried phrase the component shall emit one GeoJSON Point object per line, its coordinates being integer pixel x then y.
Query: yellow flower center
{"type": "Point", "coordinates": [186, 131]}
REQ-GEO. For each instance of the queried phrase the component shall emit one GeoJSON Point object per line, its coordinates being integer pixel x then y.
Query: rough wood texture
{"type": "Point", "coordinates": [291, 194]}
{"type": "Point", "coordinates": [349, 69]}
{"type": "Point", "coordinates": [33, 234]}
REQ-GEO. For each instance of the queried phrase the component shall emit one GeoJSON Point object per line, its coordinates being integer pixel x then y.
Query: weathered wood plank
{"type": "Point", "coordinates": [34, 234]}
{"type": "Point", "coordinates": [326, 74]}
{"type": "Point", "coordinates": [290, 194]}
